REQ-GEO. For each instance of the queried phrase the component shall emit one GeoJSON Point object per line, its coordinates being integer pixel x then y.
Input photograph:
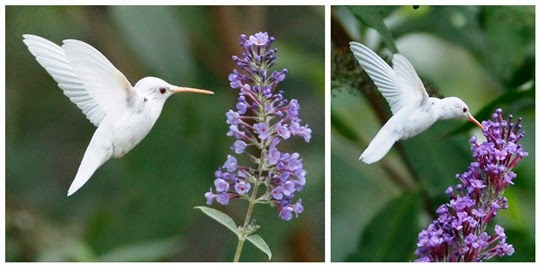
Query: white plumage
{"type": "Point", "coordinates": [122, 114]}
{"type": "Point", "coordinates": [412, 108]}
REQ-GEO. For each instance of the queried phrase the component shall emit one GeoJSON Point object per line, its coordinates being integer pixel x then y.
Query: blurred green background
{"type": "Point", "coordinates": [484, 55]}
{"type": "Point", "coordinates": [140, 207]}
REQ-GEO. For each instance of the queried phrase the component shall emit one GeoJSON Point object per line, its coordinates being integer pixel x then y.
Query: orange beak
{"type": "Point", "coordinates": [193, 90]}
{"type": "Point", "coordinates": [472, 119]}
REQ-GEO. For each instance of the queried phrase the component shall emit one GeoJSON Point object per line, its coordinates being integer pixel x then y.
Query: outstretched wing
{"type": "Point", "coordinates": [105, 84]}
{"type": "Point", "coordinates": [85, 76]}
{"type": "Point", "coordinates": [53, 59]}
{"type": "Point", "coordinates": [399, 86]}
{"type": "Point", "coordinates": [408, 79]}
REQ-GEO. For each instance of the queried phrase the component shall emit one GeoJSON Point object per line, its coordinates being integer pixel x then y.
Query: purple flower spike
{"type": "Point", "coordinates": [262, 119]}
{"type": "Point", "coordinates": [476, 200]}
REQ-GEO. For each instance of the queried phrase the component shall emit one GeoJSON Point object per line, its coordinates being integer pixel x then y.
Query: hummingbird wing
{"type": "Point", "coordinates": [85, 75]}
{"type": "Point", "coordinates": [53, 59]}
{"type": "Point", "coordinates": [394, 84]}
{"type": "Point", "coordinates": [107, 86]}
{"type": "Point", "coordinates": [408, 79]}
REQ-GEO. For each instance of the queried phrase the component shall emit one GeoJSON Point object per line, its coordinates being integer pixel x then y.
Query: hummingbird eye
{"type": "Point", "coordinates": [162, 90]}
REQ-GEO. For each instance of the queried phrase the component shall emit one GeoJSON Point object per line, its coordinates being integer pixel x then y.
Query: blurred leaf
{"type": "Point", "coordinates": [523, 73]}
{"type": "Point", "coordinates": [147, 251]}
{"type": "Point", "coordinates": [502, 48]}
{"type": "Point", "coordinates": [508, 97]}
{"type": "Point", "coordinates": [35, 237]}
{"type": "Point", "coordinates": [373, 16]}
{"type": "Point", "coordinates": [158, 41]}
{"type": "Point", "coordinates": [391, 234]}
{"type": "Point", "coordinates": [220, 217]}
{"type": "Point", "coordinates": [261, 244]}
{"type": "Point", "coordinates": [71, 250]}
{"type": "Point", "coordinates": [458, 25]}
{"type": "Point", "coordinates": [343, 129]}
{"type": "Point", "coordinates": [510, 30]}
{"type": "Point", "coordinates": [358, 193]}
{"type": "Point", "coordinates": [297, 64]}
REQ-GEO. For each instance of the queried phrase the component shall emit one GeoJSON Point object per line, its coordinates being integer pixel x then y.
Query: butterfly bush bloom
{"type": "Point", "coordinates": [262, 120]}
{"type": "Point", "coordinates": [459, 233]}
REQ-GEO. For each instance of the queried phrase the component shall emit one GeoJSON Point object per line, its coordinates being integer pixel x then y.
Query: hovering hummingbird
{"type": "Point", "coordinates": [123, 114]}
{"type": "Point", "coordinates": [412, 108]}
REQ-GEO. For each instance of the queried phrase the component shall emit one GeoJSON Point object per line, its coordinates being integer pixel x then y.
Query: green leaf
{"type": "Point", "coordinates": [220, 217]}
{"type": "Point", "coordinates": [229, 223]}
{"type": "Point", "coordinates": [391, 234]}
{"type": "Point", "coordinates": [373, 16]}
{"type": "Point", "coordinates": [261, 244]}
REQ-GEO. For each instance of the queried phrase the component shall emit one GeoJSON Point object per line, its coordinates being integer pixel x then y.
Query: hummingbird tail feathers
{"type": "Point", "coordinates": [379, 146]}
{"type": "Point", "coordinates": [92, 160]}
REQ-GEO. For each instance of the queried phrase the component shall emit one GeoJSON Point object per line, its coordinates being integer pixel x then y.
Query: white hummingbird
{"type": "Point", "coordinates": [122, 114]}
{"type": "Point", "coordinates": [412, 108]}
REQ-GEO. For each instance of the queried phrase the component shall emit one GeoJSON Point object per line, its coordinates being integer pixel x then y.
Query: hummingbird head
{"type": "Point", "coordinates": [158, 90]}
{"type": "Point", "coordinates": [455, 108]}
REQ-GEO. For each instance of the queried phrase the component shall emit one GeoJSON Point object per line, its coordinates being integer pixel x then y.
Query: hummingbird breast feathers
{"type": "Point", "coordinates": [128, 131]}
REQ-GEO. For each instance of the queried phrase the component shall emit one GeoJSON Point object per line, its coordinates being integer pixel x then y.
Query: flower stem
{"type": "Point", "coordinates": [252, 201]}
{"type": "Point", "coordinates": [243, 234]}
